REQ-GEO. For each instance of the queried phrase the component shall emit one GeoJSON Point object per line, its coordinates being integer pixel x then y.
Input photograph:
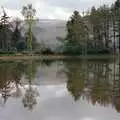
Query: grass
{"type": "Point", "coordinates": [35, 56]}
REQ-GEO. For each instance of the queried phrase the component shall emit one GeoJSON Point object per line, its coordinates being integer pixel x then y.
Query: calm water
{"type": "Point", "coordinates": [60, 90]}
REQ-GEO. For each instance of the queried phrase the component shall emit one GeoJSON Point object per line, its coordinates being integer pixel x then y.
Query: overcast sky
{"type": "Point", "coordinates": [52, 9]}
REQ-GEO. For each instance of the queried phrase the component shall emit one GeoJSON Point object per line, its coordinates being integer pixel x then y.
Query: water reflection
{"type": "Point", "coordinates": [97, 81]}
{"type": "Point", "coordinates": [9, 73]}
{"type": "Point", "coordinates": [29, 99]}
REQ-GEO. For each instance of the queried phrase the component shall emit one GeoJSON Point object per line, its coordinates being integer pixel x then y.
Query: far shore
{"type": "Point", "coordinates": [56, 57]}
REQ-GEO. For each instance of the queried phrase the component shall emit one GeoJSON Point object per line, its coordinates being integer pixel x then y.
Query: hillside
{"type": "Point", "coordinates": [46, 30]}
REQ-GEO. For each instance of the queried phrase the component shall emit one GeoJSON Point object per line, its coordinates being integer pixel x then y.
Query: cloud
{"type": "Point", "coordinates": [47, 11]}
{"type": "Point", "coordinates": [87, 118]}
{"type": "Point", "coordinates": [78, 4]}
{"type": "Point", "coordinates": [13, 13]}
{"type": "Point", "coordinates": [53, 9]}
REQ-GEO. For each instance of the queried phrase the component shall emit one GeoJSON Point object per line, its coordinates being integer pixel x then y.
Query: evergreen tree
{"type": "Point", "coordinates": [76, 34]}
{"type": "Point", "coordinates": [117, 11]}
{"type": "Point", "coordinates": [16, 37]}
{"type": "Point", "coordinates": [5, 32]}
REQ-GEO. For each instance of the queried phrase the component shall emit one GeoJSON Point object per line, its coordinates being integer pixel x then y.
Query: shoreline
{"type": "Point", "coordinates": [56, 57]}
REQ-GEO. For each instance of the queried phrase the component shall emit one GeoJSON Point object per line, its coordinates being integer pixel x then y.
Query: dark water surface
{"type": "Point", "coordinates": [60, 90]}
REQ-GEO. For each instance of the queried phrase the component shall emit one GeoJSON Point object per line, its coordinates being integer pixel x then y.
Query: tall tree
{"type": "Point", "coordinates": [76, 34]}
{"type": "Point", "coordinates": [16, 37]}
{"type": "Point", "coordinates": [5, 31]}
{"type": "Point", "coordinates": [117, 11]}
{"type": "Point", "coordinates": [29, 13]}
{"type": "Point", "coordinates": [34, 42]}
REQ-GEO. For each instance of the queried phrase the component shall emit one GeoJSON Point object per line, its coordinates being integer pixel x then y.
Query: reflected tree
{"type": "Point", "coordinates": [29, 99]}
{"type": "Point", "coordinates": [95, 81]}
{"type": "Point", "coordinates": [10, 77]}
{"type": "Point", "coordinates": [75, 76]}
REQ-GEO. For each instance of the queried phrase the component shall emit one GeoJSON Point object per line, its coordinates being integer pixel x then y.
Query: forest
{"type": "Point", "coordinates": [96, 31]}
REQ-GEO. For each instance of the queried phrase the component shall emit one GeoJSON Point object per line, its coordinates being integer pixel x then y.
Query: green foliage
{"type": "Point", "coordinates": [96, 32]}
{"type": "Point", "coordinates": [21, 46]}
{"type": "Point", "coordinates": [4, 52]}
{"type": "Point", "coordinates": [11, 38]}
{"type": "Point", "coordinates": [5, 32]}
{"type": "Point", "coordinates": [47, 51]}
{"type": "Point", "coordinates": [76, 35]}
{"type": "Point", "coordinates": [34, 42]}
{"type": "Point", "coordinates": [16, 36]}
{"type": "Point", "coordinates": [29, 12]}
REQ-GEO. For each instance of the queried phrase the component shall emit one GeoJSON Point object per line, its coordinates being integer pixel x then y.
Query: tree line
{"type": "Point", "coordinates": [95, 31]}
{"type": "Point", "coordinates": [11, 37]}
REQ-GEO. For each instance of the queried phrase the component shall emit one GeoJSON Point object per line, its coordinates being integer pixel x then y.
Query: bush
{"type": "Point", "coordinates": [72, 50]}
{"type": "Point", "coordinates": [102, 51]}
{"type": "Point", "coordinates": [37, 52]}
{"type": "Point", "coordinates": [7, 53]}
{"type": "Point", "coordinates": [47, 51]}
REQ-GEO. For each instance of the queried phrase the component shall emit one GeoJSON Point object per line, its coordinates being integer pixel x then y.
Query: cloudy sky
{"type": "Point", "coordinates": [52, 9]}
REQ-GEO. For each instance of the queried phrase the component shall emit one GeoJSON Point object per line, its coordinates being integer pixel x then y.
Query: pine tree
{"type": "Point", "coordinates": [117, 11]}
{"type": "Point", "coordinates": [5, 31]}
{"type": "Point", "coordinates": [76, 34]}
{"type": "Point", "coordinates": [16, 36]}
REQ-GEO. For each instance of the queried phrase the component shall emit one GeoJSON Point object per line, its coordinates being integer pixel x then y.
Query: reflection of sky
{"type": "Point", "coordinates": [55, 103]}
{"type": "Point", "coordinates": [48, 75]}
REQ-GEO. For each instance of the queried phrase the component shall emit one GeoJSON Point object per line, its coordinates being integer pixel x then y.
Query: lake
{"type": "Point", "coordinates": [78, 89]}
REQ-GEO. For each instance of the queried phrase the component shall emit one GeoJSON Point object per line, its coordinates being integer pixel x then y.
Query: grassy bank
{"type": "Point", "coordinates": [42, 57]}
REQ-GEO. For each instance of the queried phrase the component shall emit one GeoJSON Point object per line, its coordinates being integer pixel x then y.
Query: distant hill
{"type": "Point", "coordinates": [46, 30]}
